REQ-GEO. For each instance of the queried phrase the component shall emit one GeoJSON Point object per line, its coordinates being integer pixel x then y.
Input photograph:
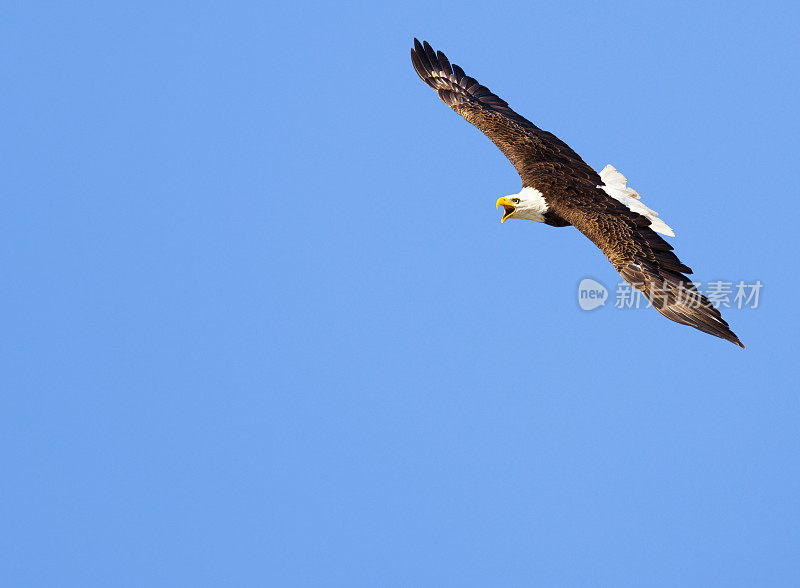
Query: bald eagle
{"type": "Point", "coordinates": [560, 189]}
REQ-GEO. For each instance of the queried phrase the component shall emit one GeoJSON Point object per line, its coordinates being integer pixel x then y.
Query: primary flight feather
{"type": "Point", "coordinates": [560, 189]}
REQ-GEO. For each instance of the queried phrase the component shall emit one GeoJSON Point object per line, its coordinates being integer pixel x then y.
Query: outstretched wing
{"type": "Point", "coordinates": [643, 258]}
{"type": "Point", "coordinates": [528, 147]}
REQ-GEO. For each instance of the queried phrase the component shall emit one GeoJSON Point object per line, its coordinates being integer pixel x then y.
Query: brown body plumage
{"type": "Point", "coordinates": [571, 190]}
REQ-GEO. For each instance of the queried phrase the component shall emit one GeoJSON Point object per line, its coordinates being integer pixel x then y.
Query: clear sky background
{"type": "Point", "coordinates": [262, 325]}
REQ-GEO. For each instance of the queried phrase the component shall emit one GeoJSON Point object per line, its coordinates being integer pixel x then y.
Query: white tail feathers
{"type": "Point", "coordinates": [615, 185]}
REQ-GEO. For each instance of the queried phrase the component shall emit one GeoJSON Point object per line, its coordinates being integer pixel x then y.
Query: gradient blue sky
{"type": "Point", "coordinates": [263, 326]}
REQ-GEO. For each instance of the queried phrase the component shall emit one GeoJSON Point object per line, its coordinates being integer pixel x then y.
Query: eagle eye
{"type": "Point", "coordinates": [515, 200]}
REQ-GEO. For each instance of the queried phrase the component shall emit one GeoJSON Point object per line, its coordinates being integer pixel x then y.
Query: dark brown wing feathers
{"type": "Point", "coordinates": [647, 262]}
{"type": "Point", "coordinates": [527, 146]}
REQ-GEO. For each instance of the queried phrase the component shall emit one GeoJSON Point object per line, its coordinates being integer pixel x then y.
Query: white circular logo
{"type": "Point", "coordinates": [591, 294]}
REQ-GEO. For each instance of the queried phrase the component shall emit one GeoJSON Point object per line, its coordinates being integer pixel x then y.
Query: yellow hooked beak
{"type": "Point", "coordinates": [508, 207]}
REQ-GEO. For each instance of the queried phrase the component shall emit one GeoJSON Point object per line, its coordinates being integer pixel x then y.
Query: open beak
{"type": "Point", "coordinates": [508, 208]}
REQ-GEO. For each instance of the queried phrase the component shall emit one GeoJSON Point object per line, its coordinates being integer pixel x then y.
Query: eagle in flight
{"type": "Point", "coordinates": [560, 189]}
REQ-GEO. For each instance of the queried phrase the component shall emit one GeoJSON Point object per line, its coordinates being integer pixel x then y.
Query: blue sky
{"type": "Point", "coordinates": [263, 325]}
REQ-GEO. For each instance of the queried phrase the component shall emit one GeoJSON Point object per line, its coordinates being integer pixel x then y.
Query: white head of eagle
{"type": "Point", "coordinates": [529, 204]}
